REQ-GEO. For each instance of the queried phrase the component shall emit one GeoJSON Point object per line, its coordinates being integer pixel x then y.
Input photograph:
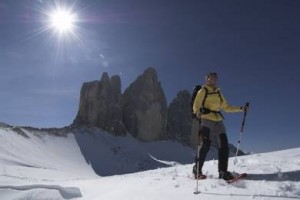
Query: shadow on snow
{"type": "Point", "coordinates": [250, 195]}
{"type": "Point", "coordinates": [280, 176]}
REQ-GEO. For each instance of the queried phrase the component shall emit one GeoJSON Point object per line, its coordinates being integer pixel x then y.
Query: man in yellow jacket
{"type": "Point", "coordinates": [208, 103]}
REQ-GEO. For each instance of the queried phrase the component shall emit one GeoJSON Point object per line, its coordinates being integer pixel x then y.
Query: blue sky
{"type": "Point", "coordinates": [254, 46]}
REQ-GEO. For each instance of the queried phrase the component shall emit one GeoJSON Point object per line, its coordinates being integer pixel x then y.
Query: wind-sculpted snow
{"type": "Point", "coordinates": [65, 192]}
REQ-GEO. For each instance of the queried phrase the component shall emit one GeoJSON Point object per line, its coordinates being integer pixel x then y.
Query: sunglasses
{"type": "Point", "coordinates": [212, 74]}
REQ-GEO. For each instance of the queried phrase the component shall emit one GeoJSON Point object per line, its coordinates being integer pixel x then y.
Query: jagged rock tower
{"type": "Point", "coordinates": [100, 105]}
{"type": "Point", "coordinates": [141, 110]}
{"type": "Point", "coordinates": [179, 124]}
{"type": "Point", "coordinates": [144, 108]}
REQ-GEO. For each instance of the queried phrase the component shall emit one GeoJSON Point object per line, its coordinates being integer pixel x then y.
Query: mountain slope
{"type": "Point", "coordinates": [35, 164]}
{"type": "Point", "coordinates": [23, 150]}
{"type": "Point", "coordinates": [86, 151]}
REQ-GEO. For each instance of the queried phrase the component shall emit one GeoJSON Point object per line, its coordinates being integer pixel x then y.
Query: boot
{"type": "Point", "coordinates": [226, 175]}
{"type": "Point", "coordinates": [198, 175]}
{"type": "Point", "coordinates": [195, 170]}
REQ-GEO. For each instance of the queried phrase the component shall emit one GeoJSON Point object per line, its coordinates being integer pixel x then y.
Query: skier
{"type": "Point", "coordinates": [207, 105]}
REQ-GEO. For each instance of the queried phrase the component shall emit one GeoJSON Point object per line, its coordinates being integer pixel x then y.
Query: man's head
{"type": "Point", "coordinates": [211, 78]}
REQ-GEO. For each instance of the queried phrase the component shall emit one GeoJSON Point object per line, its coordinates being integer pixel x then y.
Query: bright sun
{"type": "Point", "coordinates": [62, 20]}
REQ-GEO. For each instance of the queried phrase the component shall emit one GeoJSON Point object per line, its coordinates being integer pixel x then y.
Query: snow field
{"type": "Point", "coordinates": [54, 168]}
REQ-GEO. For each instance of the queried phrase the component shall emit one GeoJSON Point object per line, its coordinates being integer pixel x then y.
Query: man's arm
{"type": "Point", "coordinates": [228, 108]}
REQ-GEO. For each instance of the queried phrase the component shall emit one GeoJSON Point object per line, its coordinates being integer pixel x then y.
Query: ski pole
{"type": "Point", "coordinates": [197, 166]}
{"type": "Point", "coordinates": [241, 132]}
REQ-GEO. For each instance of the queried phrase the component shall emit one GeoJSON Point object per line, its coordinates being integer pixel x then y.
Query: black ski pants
{"type": "Point", "coordinates": [213, 132]}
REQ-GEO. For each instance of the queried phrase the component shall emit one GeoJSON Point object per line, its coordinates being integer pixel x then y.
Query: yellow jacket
{"type": "Point", "coordinates": [213, 102]}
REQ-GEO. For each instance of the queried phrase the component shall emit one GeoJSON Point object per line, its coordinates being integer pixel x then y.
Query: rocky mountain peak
{"type": "Point", "coordinates": [145, 107]}
{"type": "Point", "coordinates": [100, 105]}
{"type": "Point", "coordinates": [105, 78]}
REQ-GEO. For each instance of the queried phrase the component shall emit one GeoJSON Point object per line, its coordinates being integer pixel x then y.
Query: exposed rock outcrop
{"type": "Point", "coordinates": [100, 105]}
{"type": "Point", "coordinates": [179, 123]}
{"type": "Point", "coordinates": [141, 110]}
{"type": "Point", "coordinates": [144, 107]}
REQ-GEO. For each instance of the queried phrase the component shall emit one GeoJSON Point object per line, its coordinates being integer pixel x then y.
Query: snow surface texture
{"type": "Point", "coordinates": [42, 166]}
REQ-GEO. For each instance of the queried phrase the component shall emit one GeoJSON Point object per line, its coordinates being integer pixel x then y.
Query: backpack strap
{"type": "Point", "coordinates": [204, 110]}
{"type": "Point", "coordinates": [219, 93]}
{"type": "Point", "coordinates": [205, 96]}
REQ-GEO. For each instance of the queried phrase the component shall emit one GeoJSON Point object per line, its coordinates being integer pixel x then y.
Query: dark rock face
{"type": "Point", "coordinates": [179, 123]}
{"type": "Point", "coordinates": [144, 107]}
{"type": "Point", "coordinates": [100, 105]}
{"type": "Point", "coordinates": [141, 110]}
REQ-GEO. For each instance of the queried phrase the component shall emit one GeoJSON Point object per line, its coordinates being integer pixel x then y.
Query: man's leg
{"type": "Point", "coordinates": [204, 134]}
{"type": "Point", "coordinates": [223, 153]}
{"type": "Point", "coordinates": [223, 158]}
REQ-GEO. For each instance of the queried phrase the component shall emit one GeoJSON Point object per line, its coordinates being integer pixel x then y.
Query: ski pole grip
{"type": "Point", "coordinates": [247, 105]}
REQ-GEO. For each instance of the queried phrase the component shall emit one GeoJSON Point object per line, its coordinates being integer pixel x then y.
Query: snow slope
{"type": "Point", "coordinates": [39, 166]}
{"type": "Point", "coordinates": [111, 155]}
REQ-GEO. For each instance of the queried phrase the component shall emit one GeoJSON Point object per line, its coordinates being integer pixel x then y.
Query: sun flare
{"type": "Point", "coordinates": [62, 20]}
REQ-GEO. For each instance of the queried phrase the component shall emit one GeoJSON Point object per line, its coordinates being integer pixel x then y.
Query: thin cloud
{"type": "Point", "coordinates": [54, 92]}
